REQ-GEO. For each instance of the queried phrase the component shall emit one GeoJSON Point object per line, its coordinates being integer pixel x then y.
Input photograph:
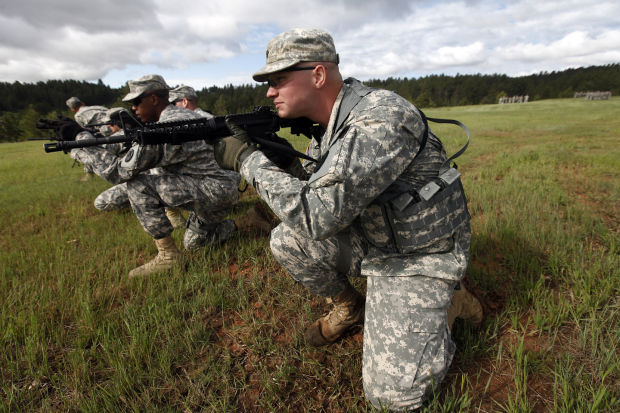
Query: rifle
{"type": "Point", "coordinates": [261, 125]}
{"type": "Point", "coordinates": [62, 123]}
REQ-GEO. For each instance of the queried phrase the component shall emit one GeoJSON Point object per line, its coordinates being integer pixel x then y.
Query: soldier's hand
{"type": "Point", "coordinates": [68, 130]}
{"type": "Point", "coordinates": [278, 156]}
{"type": "Point", "coordinates": [230, 152]}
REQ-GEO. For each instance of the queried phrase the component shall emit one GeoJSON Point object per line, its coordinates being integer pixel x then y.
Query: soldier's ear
{"type": "Point", "coordinates": [156, 100]}
{"type": "Point", "coordinates": [319, 76]}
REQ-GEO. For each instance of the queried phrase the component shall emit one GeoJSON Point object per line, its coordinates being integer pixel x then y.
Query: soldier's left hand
{"type": "Point", "coordinates": [68, 129]}
{"type": "Point", "coordinates": [230, 152]}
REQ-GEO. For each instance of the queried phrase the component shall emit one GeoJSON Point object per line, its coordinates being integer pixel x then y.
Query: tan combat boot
{"type": "Point", "coordinates": [175, 217]}
{"type": "Point", "coordinates": [256, 219]}
{"type": "Point", "coordinates": [464, 305]}
{"type": "Point", "coordinates": [348, 311]}
{"type": "Point", "coordinates": [165, 259]}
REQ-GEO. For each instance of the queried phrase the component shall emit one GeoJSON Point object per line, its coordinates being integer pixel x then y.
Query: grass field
{"type": "Point", "coordinates": [223, 332]}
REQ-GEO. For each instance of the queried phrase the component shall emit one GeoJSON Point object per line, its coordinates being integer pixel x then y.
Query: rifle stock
{"type": "Point", "coordinates": [260, 123]}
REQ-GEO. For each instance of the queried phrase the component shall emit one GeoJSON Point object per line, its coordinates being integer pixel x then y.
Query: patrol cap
{"type": "Point", "coordinates": [145, 84]}
{"type": "Point", "coordinates": [73, 102]}
{"type": "Point", "coordinates": [295, 46]}
{"type": "Point", "coordinates": [181, 92]}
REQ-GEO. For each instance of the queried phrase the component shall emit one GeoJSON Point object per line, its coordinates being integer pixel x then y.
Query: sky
{"type": "Point", "coordinates": [222, 42]}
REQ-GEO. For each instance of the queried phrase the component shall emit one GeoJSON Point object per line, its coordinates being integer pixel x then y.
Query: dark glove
{"type": "Point", "coordinates": [68, 130]}
{"type": "Point", "coordinates": [230, 152]}
{"type": "Point", "coordinates": [276, 155]}
{"type": "Point", "coordinates": [64, 128]}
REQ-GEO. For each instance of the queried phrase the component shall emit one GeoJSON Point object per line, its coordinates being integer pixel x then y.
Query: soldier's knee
{"type": "Point", "coordinates": [101, 204]}
{"type": "Point", "coordinates": [275, 240]}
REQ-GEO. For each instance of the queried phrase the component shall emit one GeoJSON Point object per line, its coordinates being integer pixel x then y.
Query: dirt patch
{"type": "Point", "coordinates": [588, 192]}
{"type": "Point", "coordinates": [491, 381]}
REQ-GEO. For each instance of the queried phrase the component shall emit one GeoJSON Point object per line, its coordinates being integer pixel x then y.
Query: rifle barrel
{"type": "Point", "coordinates": [83, 143]}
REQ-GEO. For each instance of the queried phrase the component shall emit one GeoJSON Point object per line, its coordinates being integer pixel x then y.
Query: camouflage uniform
{"type": "Point", "coordinates": [116, 197]}
{"type": "Point", "coordinates": [203, 113]}
{"type": "Point", "coordinates": [113, 198]}
{"type": "Point", "coordinates": [332, 226]}
{"type": "Point", "coordinates": [88, 115]}
{"type": "Point", "coordinates": [188, 178]}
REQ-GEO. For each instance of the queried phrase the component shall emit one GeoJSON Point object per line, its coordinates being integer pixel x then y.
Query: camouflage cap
{"type": "Point", "coordinates": [295, 46]}
{"type": "Point", "coordinates": [181, 92]}
{"type": "Point", "coordinates": [73, 102]}
{"type": "Point", "coordinates": [145, 84]}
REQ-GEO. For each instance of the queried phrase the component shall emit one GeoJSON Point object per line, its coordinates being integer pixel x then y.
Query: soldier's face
{"type": "Point", "coordinates": [291, 93]}
{"type": "Point", "coordinates": [145, 108]}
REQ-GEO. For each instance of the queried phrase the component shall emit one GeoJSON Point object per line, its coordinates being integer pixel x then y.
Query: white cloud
{"type": "Point", "coordinates": [576, 46]}
{"type": "Point", "coordinates": [223, 41]}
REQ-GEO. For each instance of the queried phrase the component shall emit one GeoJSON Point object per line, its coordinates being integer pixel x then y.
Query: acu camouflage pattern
{"type": "Point", "coordinates": [90, 115]}
{"type": "Point", "coordinates": [322, 266]}
{"type": "Point", "coordinates": [187, 178]}
{"type": "Point", "coordinates": [295, 46]}
{"type": "Point", "coordinates": [145, 84]}
{"type": "Point", "coordinates": [368, 149]}
{"type": "Point", "coordinates": [113, 198]}
{"type": "Point", "coordinates": [193, 158]}
{"type": "Point", "coordinates": [203, 113]}
{"type": "Point", "coordinates": [407, 344]}
{"type": "Point", "coordinates": [181, 92]}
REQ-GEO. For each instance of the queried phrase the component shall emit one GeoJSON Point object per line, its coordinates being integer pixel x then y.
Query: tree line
{"type": "Point", "coordinates": [21, 104]}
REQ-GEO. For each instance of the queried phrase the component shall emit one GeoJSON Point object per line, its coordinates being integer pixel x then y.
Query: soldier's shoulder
{"type": "Point", "coordinates": [172, 113]}
{"type": "Point", "coordinates": [385, 106]}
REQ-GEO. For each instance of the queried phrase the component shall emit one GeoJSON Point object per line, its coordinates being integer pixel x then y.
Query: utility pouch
{"type": "Point", "coordinates": [404, 225]}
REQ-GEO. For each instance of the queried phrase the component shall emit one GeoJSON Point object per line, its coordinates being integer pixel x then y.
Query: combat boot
{"type": "Point", "coordinates": [255, 219]}
{"type": "Point", "coordinates": [464, 305]}
{"type": "Point", "coordinates": [348, 310]}
{"type": "Point", "coordinates": [167, 254]}
{"type": "Point", "coordinates": [175, 217]}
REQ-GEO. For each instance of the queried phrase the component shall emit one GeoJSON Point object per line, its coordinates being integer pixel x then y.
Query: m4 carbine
{"type": "Point", "coordinates": [64, 128]}
{"type": "Point", "coordinates": [261, 125]}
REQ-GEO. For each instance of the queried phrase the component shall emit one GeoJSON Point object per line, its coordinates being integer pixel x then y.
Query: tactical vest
{"type": "Point", "coordinates": [407, 218]}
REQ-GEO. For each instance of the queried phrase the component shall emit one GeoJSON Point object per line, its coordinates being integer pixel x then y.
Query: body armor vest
{"type": "Point", "coordinates": [424, 207]}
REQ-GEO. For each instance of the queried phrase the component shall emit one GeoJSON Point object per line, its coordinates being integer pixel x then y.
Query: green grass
{"type": "Point", "coordinates": [223, 331]}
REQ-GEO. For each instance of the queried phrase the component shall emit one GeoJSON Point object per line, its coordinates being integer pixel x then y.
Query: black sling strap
{"type": "Point", "coordinates": [446, 164]}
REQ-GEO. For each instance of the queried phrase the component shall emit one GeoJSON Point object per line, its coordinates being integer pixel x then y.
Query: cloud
{"type": "Point", "coordinates": [576, 44]}
{"type": "Point", "coordinates": [223, 41]}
